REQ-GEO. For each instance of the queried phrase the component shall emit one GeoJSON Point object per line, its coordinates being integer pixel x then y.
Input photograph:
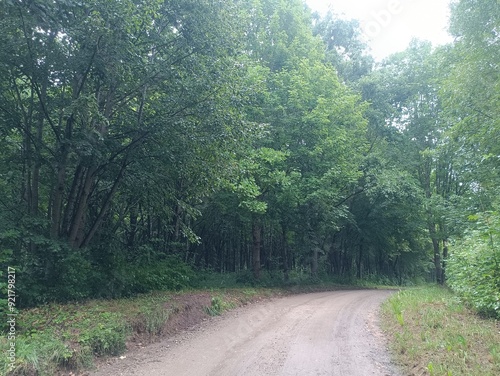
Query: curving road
{"type": "Point", "coordinates": [327, 333]}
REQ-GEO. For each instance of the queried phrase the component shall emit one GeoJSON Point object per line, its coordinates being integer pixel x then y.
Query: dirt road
{"type": "Point", "coordinates": [327, 333]}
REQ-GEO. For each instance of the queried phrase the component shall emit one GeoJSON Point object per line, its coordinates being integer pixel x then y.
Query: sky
{"type": "Point", "coordinates": [389, 25]}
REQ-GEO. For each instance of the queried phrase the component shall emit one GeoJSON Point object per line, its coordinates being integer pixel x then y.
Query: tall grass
{"type": "Point", "coordinates": [432, 333]}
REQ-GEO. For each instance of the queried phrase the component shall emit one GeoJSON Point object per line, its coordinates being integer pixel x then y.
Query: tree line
{"type": "Point", "coordinates": [145, 141]}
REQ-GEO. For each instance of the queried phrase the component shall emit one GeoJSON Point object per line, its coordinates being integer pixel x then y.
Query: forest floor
{"type": "Point", "coordinates": [322, 333]}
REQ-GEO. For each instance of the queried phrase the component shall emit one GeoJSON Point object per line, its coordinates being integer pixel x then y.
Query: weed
{"type": "Point", "coordinates": [40, 353]}
{"type": "Point", "coordinates": [495, 353]}
{"type": "Point", "coordinates": [155, 319]}
{"type": "Point", "coordinates": [396, 309]}
{"type": "Point", "coordinates": [430, 368]}
{"type": "Point", "coordinates": [217, 306]}
{"type": "Point", "coordinates": [107, 336]}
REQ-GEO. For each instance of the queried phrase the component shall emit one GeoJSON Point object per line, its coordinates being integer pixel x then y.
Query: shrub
{"type": "Point", "coordinates": [474, 266]}
{"type": "Point", "coordinates": [107, 336]}
{"type": "Point", "coordinates": [168, 274]}
{"type": "Point", "coordinates": [69, 278]}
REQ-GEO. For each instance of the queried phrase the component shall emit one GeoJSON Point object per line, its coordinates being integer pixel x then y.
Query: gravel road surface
{"type": "Point", "coordinates": [327, 333]}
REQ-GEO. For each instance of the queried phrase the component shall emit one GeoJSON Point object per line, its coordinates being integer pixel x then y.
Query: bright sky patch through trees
{"type": "Point", "coordinates": [389, 25]}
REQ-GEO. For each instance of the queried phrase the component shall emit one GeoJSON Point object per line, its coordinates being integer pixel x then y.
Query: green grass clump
{"type": "Point", "coordinates": [153, 320]}
{"type": "Point", "coordinates": [218, 305]}
{"type": "Point", "coordinates": [40, 353]}
{"type": "Point", "coordinates": [432, 333]}
{"type": "Point", "coordinates": [57, 336]}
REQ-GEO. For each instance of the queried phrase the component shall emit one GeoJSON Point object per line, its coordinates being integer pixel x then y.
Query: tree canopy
{"type": "Point", "coordinates": [143, 143]}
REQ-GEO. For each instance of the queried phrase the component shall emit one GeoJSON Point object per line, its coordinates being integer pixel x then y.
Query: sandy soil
{"type": "Point", "coordinates": [327, 333]}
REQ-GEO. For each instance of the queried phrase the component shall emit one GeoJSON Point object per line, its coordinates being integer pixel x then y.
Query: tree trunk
{"type": "Point", "coordinates": [314, 262]}
{"type": "Point", "coordinates": [445, 256]}
{"type": "Point", "coordinates": [57, 198]}
{"type": "Point", "coordinates": [69, 211]}
{"type": "Point", "coordinates": [359, 271]}
{"type": "Point", "coordinates": [133, 226]}
{"type": "Point", "coordinates": [104, 209]}
{"type": "Point", "coordinates": [79, 217]}
{"type": "Point", "coordinates": [256, 235]}
{"type": "Point", "coordinates": [286, 274]}
{"type": "Point", "coordinates": [38, 138]}
{"type": "Point", "coordinates": [59, 186]}
{"type": "Point", "coordinates": [437, 255]}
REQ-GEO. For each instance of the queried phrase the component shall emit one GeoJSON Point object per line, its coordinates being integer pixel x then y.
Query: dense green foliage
{"type": "Point", "coordinates": [471, 94]}
{"type": "Point", "coordinates": [144, 144]}
{"type": "Point", "coordinates": [474, 265]}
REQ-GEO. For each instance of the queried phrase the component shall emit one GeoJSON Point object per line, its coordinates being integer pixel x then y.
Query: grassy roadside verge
{"type": "Point", "coordinates": [432, 333]}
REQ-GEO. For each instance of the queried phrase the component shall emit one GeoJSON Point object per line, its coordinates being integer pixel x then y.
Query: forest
{"type": "Point", "coordinates": [148, 144]}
